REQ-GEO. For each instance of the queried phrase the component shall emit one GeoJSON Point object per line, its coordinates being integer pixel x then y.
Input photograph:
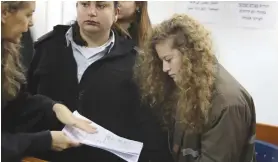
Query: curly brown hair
{"type": "Point", "coordinates": [12, 69]}
{"type": "Point", "coordinates": [190, 98]}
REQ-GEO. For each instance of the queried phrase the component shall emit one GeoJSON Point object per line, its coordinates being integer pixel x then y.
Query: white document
{"type": "Point", "coordinates": [253, 14]}
{"type": "Point", "coordinates": [128, 150]}
{"type": "Point", "coordinates": [208, 12]}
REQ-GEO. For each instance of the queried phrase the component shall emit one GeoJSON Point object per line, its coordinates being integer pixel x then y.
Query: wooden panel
{"type": "Point", "coordinates": [31, 159]}
{"type": "Point", "coordinates": [267, 133]}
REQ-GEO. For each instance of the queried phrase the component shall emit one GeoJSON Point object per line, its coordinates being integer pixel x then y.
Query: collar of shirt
{"type": "Point", "coordinates": [109, 44]}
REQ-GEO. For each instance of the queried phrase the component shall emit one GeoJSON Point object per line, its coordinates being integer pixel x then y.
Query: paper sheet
{"type": "Point", "coordinates": [252, 14]}
{"type": "Point", "coordinates": [208, 12]}
{"type": "Point", "coordinates": [128, 150]}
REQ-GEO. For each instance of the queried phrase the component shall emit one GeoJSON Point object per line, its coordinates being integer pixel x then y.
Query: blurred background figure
{"type": "Point", "coordinates": [134, 19]}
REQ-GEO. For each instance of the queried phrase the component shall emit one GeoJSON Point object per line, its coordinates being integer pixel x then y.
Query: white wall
{"type": "Point", "coordinates": [40, 19]}
{"type": "Point", "coordinates": [50, 13]}
{"type": "Point", "coordinates": [158, 11]}
{"type": "Point", "coordinates": [250, 55]}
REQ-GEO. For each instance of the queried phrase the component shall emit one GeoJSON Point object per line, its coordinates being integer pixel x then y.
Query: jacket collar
{"type": "Point", "coordinates": [121, 47]}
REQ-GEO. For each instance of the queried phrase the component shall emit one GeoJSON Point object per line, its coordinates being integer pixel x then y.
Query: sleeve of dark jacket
{"type": "Point", "coordinates": [36, 109]}
{"type": "Point", "coordinates": [26, 113]}
{"type": "Point", "coordinates": [15, 146]}
{"type": "Point", "coordinates": [149, 131]}
{"type": "Point", "coordinates": [229, 134]}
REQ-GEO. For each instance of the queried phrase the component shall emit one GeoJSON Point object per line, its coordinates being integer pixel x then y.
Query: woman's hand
{"type": "Point", "coordinates": [60, 141]}
{"type": "Point", "coordinates": [66, 117]}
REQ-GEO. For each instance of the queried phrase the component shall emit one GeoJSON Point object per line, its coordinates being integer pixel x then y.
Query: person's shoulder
{"type": "Point", "coordinates": [44, 38]}
{"type": "Point", "coordinates": [228, 92]}
{"type": "Point", "coordinates": [124, 43]}
{"type": "Point", "coordinates": [58, 31]}
{"type": "Point", "coordinates": [120, 32]}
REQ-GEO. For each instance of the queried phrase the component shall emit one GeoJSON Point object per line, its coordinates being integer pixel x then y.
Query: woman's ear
{"type": "Point", "coordinates": [117, 10]}
{"type": "Point", "coordinates": [4, 13]}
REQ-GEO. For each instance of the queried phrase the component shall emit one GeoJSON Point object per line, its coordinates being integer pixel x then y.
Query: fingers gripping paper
{"type": "Point", "coordinates": [126, 149]}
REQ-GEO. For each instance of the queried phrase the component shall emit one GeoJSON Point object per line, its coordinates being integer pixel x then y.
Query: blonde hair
{"type": "Point", "coordinates": [190, 97]}
{"type": "Point", "coordinates": [12, 69]}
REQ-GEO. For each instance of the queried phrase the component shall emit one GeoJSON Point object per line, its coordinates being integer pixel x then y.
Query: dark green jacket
{"type": "Point", "coordinates": [230, 133]}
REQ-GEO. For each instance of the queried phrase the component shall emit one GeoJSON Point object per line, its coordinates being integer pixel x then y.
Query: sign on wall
{"type": "Point", "coordinates": [250, 14]}
{"type": "Point", "coordinates": [205, 11]}
{"type": "Point", "coordinates": [253, 14]}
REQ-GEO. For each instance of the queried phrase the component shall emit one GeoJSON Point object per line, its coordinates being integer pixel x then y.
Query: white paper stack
{"type": "Point", "coordinates": [126, 149]}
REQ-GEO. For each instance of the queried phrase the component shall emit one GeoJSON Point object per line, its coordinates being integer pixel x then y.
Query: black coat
{"type": "Point", "coordinates": [23, 120]}
{"type": "Point", "coordinates": [106, 95]}
{"type": "Point", "coordinates": [27, 49]}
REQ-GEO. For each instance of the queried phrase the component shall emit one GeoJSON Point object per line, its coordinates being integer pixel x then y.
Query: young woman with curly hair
{"type": "Point", "coordinates": [209, 115]}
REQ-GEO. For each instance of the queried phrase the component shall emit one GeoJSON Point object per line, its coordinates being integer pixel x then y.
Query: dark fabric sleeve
{"type": "Point", "coordinates": [150, 132]}
{"type": "Point", "coordinates": [35, 112]}
{"type": "Point", "coordinates": [228, 138]}
{"type": "Point", "coordinates": [16, 146]}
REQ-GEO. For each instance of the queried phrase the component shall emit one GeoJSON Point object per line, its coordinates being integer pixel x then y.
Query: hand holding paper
{"type": "Point", "coordinates": [66, 116]}
{"type": "Point", "coordinates": [104, 139]}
